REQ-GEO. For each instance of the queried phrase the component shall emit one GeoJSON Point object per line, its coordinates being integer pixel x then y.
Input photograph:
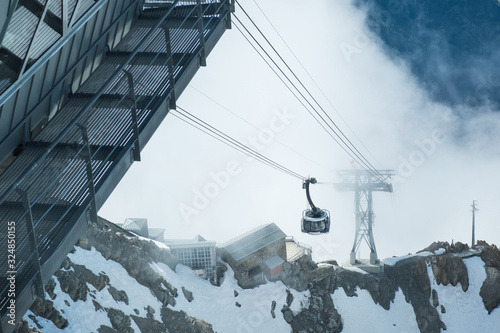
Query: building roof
{"type": "Point", "coordinates": [253, 240]}
{"type": "Point", "coordinates": [155, 232]}
{"type": "Point", "coordinates": [135, 224]}
{"type": "Point", "coordinates": [197, 241]}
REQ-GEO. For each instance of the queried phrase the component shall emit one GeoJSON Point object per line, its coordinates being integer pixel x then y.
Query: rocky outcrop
{"type": "Point", "coordinates": [45, 309]}
{"type": "Point", "coordinates": [296, 274]}
{"type": "Point", "coordinates": [135, 255]}
{"type": "Point", "coordinates": [449, 248]}
{"type": "Point", "coordinates": [179, 321]}
{"type": "Point", "coordinates": [449, 269]}
{"type": "Point", "coordinates": [23, 327]}
{"type": "Point", "coordinates": [490, 290]}
{"type": "Point", "coordinates": [409, 275]}
{"type": "Point", "coordinates": [188, 294]}
{"type": "Point", "coordinates": [320, 316]}
{"type": "Point", "coordinates": [73, 280]}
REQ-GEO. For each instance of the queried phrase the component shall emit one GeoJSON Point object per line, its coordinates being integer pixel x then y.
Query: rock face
{"type": "Point", "coordinates": [449, 269]}
{"type": "Point", "coordinates": [490, 290]}
{"type": "Point", "coordinates": [317, 312]}
{"type": "Point", "coordinates": [321, 315]}
{"type": "Point", "coordinates": [409, 275]}
{"type": "Point", "coordinates": [297, 274]}
{"type": "Point", "coordinates": [135, 256]}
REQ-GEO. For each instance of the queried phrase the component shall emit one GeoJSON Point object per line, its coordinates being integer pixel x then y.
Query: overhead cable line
{"type": "Point", "coordinates": [249, 123]}
{"type": "Point", "coordinates": [201, 125]}
{"type": "Point", "coordinates": [353, 154]}
{"type": "Point", "coordinates": [290, 89]}
{"type": "Point", "coordinates": [345, 140]}
{"type": "Point", "coordinates": [315, 83]}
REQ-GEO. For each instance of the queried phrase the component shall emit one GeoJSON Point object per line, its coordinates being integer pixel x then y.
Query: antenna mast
{"type": "Point", "coordinates": [474, 210]}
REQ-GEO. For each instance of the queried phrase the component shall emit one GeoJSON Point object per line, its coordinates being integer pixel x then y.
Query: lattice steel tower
{"type": "Point", "coordinates": [363, 183]}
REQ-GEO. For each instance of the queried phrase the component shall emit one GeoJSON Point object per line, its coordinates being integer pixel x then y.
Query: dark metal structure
{"type": "Point", "coordinates": [364, 183]}
{"type": "Point", "coordinates": [83, 86]}
{"type": "Point", "coordinates": [315, 221]}
{"type": "Point", "coordinates": [474, 210]}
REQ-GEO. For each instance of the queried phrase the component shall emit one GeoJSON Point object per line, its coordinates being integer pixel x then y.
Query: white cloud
{"type": "Point", "coordinates": [377, 96]}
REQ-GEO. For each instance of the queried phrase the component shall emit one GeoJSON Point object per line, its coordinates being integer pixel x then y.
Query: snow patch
{"type": "Point", "coordinates": [355, 269]}
{"type": "Point", "coordinates": [465, 311]}
{"type": "Point", "coordinates": [361, 314]}
{"type": "Point", "coordinates": [393, 260]}
{"type": "Point", "coordinates": [217, 305]}
{"type": "Point", "coordinates": [138, 295]}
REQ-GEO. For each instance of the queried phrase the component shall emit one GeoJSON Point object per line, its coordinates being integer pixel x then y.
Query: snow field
{"type": "Point", "coordinates": [465, 311]}
{"type": "Point", "coordinates": [216, 305]}
{"type": "Point", "coordinates": [361, 314]}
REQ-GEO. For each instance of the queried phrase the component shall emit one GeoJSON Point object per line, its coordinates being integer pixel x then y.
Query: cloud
{"type": "Point", "coordinates": [452, 149]}
{"type": "Point", "coordinates": [451, 46]}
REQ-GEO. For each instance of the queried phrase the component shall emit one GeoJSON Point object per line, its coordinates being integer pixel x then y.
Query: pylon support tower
{"type": "Point", "coordinates": [364, 183]}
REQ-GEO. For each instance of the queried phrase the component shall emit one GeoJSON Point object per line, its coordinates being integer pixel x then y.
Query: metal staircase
{"type": "Point", "coordinates": [92, 112]}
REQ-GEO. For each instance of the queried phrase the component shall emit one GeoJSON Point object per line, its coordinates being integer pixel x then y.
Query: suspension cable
{"type": "Point", "coordinates": [350, 151]}
{"type": "Point", "coordinates": [341, 136]}
{"type": "Point", "coordinates": [315, 83]}
{"type": "Point", "coordinates": [201, 125]}
{"type": "Point", "coordinates": [249, 123]}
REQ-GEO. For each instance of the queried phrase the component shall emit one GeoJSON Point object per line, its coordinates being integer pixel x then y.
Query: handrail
{"type": "Point", "coordinates": [86, 108]}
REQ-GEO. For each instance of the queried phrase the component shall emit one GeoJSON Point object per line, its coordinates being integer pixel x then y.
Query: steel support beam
{"type": "Point", "coordinates": [38, 285]}
{"type": "Point", "coordinates": [136, 152]}
{"type": "Point", "coordinates": [90, 176]}
{"type": "Point", "coordinates": [27, 62]}
{"type": "Point", "coordinates": [170, 62]}
{"type": "Point", "coordinates": [51, 19]}
{"type": "Point", "coordinates": [201, 31]}
{"type": "Point", "coordinates": [10, 59]}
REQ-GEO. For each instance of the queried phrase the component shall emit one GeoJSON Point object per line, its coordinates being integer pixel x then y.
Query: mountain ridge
{"type": "Point", "coordinates": [131, 284]}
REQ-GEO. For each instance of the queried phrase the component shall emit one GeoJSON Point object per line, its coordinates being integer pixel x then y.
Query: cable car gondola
{"type": "Point", "coordinates": [315, 221]}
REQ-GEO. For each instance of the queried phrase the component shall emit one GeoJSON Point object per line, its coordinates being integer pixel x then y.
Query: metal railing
{"type": "Point", "coordinates": [55, 181]}
{"type": "Point", "coordinates": [305, 249]}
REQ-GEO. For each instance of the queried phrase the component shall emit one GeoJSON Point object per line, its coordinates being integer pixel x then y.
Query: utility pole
{"type": "Point", "coordinates": [474, 210]}
{"type": "Point", "coordinates": [363, 183]}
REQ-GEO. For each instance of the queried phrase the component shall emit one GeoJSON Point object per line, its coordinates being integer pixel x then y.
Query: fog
{"type": "Point", "coordinates": [190, 183]}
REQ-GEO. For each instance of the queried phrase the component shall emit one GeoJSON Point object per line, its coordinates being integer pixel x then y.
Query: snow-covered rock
{"type": "Point", "coordinates": [113, 282]}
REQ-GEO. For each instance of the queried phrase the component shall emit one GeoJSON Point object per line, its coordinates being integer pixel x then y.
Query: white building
{"type": "Point", "coordinates": [197, 253]}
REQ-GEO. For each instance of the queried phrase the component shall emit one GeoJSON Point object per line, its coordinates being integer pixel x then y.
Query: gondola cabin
{"type": "Point", "coordinates": [315, 221]}
{"type": "Point", "coordinates": [316, 224]}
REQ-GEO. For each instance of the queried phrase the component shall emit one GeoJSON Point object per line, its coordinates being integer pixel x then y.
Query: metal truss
{"type": "Point", "coordinates": [364, 183]}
